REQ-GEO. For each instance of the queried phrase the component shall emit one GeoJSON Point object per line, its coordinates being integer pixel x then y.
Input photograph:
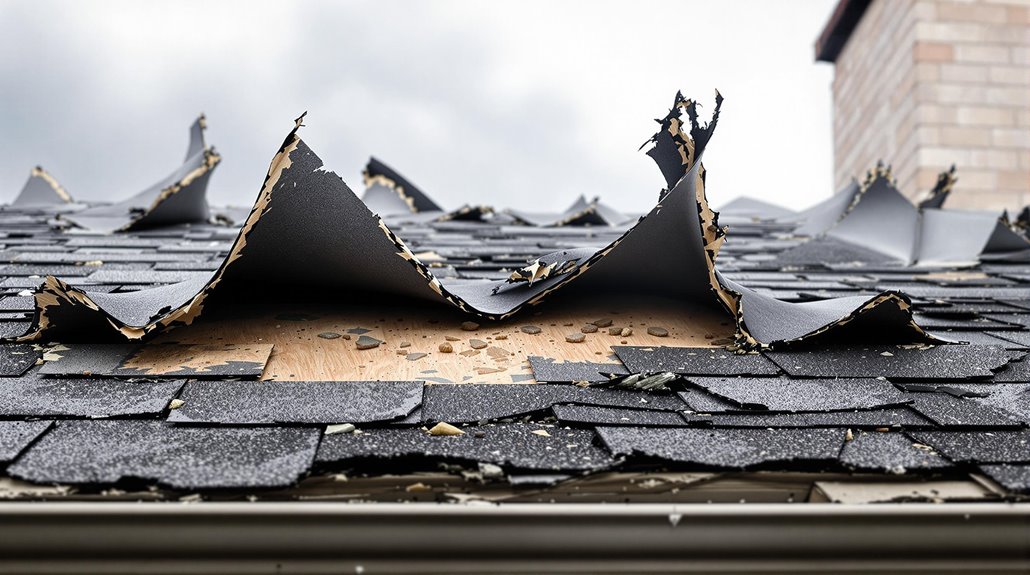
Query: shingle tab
{"type": "Point", "coordinates": [771, 394]}
{"type": "Point", "coordinates": [896, 362]}
{"type": "Point", "coordinates": [254, 402]}
{"type": "Point", "coordinates": [517, 445]}
{"type": "Point", "coordinates": [889, 452]}
{"type": "Point", "coordinates": [693, 361]}
{"type": "Point", "coordinates": [17, 435]}
{"type": "Point", "coordinates": [105, 452]}
{"type": "Point", "coordinates": [460, 403]}
{"type": "Point", "coordinates": [725, 448]}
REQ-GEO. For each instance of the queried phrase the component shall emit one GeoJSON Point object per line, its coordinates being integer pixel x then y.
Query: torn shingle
{"type": "Point", "coordinates": [511, 445]}
{"type": "Point", "coordinates": [16, 359]}
{"type": "Point", "coordinates": [181, 197]}
{"type": "Point", "coordinates": [978, 446]}
{"type": "Point", "coordinates": [693, 361]}
{"type": "Point", "coordinates": [547, 370]}
{"type": "Point", "coordinates": [41, 189]}
{"type": "Point", "coordinates": [1015, 478]}
{"type": "Point", "coordinates": [895, 362]}
{"type": "Point", "coordinates": [462, 403]}
{"type": "Point", "coordinates": [774, 394]}
{"type": "Point", "coordinates": [158, 360]}
{"type": "Point", "coordinates": [957, 412]}
{"type": "Point", "coordinates": [32, 396]}
{"type": "Point", "coordinates": [896, 417]}
{"type": "Point", "coordinates": [15, 436]}
{"type": "Point", "coordinates": [725, 448]}
{"type": "Point", "coordinates": [105, 452]}
{"type": "Point", "coordinates": [889, 452]}
{"type": "Point", "coordinates": [595, 415]}
{"type": "Point", "coordinates": [322, 402]}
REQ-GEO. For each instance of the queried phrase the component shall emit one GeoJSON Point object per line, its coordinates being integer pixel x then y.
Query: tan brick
{"type": "Point", "coordinates": [964, 73]}
{"type": "Point", "coordinates": [974, 178]}
{"type": "Point", "coordinates": [972, 12]}
{"type": "Point", "coordinates": [981, 53]}
{"type": "Point", "coordinates": [1009, 75]}
{"type": "Point", "coordinates": [1018, 15]}
{"type": "Point", "coordinates": [994, 159]}
{"type": "Point", "coordinates": [935, 52]}
{"type": "Point", "coordinates": [1011, 138]}
{"type": "Point", "coordinates": [985, 116]}
{"type": "Point", "coordinates": [936, 114]}
{"type": "Point", "coordinates": [950, 32]}
{"type": "Point", "coordinates": [965, 137]}
{"type": "Point", "coordinates": [1008, 96]}
{"type": "Point", "coordinates": [1014, 179]}
{"type": "Point", "coordinates": [940, 156]}
{"type": "Point", "coordinates": [1020, 55]}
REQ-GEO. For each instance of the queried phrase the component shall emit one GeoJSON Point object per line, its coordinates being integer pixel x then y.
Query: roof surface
{"type": "Point", "coordinates": [240, 393]}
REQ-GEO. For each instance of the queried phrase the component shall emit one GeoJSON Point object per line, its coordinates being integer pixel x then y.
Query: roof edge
{"type": "Point", "coordinates": [838, 29]}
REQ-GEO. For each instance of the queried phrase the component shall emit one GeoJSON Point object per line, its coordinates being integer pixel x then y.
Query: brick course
{"type": "Point", "coordinates": [926, 83]}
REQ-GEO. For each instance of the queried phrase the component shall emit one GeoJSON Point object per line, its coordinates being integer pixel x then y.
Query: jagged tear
{"type": "Point", "coordinates": [41, 190]}
{"type": "Point", "coordinates": [307, 228]}
{"type": "Point", "coordinates": [887, 227]}
{"type": "Point", "coordinates": [180, 198]}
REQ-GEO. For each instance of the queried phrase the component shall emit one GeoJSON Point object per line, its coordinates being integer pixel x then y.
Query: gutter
{"type": "Point", "coordinates": [305, 537]}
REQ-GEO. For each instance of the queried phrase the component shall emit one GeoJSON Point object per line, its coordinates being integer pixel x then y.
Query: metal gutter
{"type": "Point", "coordinates": [512, 538]}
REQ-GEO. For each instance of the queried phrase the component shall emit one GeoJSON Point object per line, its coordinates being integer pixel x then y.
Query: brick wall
{"type": "Point", "coordinates": [923, 84]}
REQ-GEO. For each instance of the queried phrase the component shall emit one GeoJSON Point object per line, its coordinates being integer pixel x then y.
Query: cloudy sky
{"type": "Point", "coordinates": [521, 104]}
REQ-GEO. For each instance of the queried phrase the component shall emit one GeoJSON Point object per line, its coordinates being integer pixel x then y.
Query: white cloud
{"type": "Point", "coordinates": [515, 104]}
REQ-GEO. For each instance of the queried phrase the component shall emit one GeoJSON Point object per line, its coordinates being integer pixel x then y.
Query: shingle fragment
{"type": "Point", "coordinates": [321, 402]}
{"type": "Point", "coordinates": [693, 361]}
{"type": "Point", "coordinates": [105, 452]}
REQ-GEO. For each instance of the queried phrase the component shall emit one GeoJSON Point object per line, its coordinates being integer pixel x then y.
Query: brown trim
{"type": "Point", "coordinates": [838, 29]}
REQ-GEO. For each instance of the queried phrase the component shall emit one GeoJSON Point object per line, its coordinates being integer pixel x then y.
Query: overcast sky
{"type": "Point", "coordinates": [515, 104]}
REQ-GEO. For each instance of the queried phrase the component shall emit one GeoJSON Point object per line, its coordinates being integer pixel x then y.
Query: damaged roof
{"type": "Point", "coordinates": [839, 366]}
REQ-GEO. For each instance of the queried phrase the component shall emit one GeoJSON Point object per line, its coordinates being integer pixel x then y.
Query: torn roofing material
{"type": "Point", "coordinates": [671, 252]}
{"type": "Point", "coordinates": [822, 216]}
{"type": "Point", "coordinates": [882, 221]}
{"type": "Point", "coordinates": [515, 445]}
{"type": "Point", "coordinates": [582, 212]}
{"type": "Point", "coordinates": [90, 452]}
{"type": "Point", "coordinates": [41, 190]}
{"type": "Point", "coordinates": [387, 192]}
{"type": "Point", "coordinates": [179, 198]}
{"type": "Point", "coordinates": [239, 402]}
